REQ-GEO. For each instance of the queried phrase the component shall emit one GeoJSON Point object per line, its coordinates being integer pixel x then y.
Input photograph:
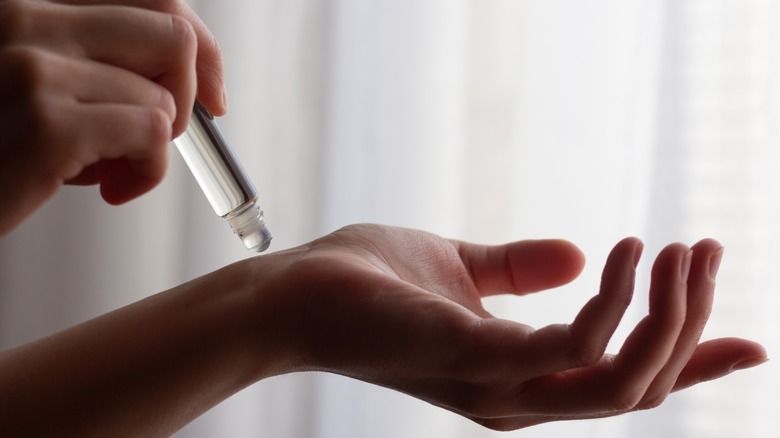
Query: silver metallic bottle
{"type": "Point", "coordinates": [223, 179]}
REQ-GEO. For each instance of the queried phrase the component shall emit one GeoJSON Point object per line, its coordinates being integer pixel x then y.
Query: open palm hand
{"type": "Point", "coordinates": [402, 309]}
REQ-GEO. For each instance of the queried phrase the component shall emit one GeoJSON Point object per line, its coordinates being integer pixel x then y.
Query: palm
{"type": "Point", "coordinates": [417, 265]}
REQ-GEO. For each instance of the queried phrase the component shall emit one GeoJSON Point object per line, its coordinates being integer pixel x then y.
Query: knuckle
{"type": "Point", "coordinates": [159, 126]}
{"type": "Point", "coordinates": [586, 354]}
{"type": "Point", "coordinates": [28, 83]}
{"type": "Point", "coordinates": [581, 347]}
{"type": "Point", "coordinates": [675, 320]}
{"type": "Point", "coordinates": [183, 33]}
{"type": "Point", "coordinates": [167, 103]}
{"type": "Point", "coordinates": [25, 76]}
{"type": "Point", "coordinates": [24, 69]}
{"type": "Point", "coordinates": [625, 400]}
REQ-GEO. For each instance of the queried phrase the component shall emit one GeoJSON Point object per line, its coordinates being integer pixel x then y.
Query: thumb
{"type": "Point", "coordinates": [521, 267]}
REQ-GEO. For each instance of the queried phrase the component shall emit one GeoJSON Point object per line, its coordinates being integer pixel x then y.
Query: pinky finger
{"type": "Point", "coordinates": [718, 358]}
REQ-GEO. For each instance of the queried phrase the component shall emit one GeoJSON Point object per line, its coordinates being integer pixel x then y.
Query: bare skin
{"type": "Point", "coordinates": [94, 94]}
{"type": "Point", "coordinates": [394, 307]}
{"type": "Point", "coordinates": [91, 92]}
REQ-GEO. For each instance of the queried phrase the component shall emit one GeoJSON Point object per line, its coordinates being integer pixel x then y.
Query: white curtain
{"type": "Point", "coordinates": [487, 120]}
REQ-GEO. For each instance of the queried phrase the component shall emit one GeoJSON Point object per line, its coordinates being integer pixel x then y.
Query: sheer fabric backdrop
{"type": "Point", "coordinates": [487, 120]}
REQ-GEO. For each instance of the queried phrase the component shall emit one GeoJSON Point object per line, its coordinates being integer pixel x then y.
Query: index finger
{"type": "Point", "coordinates": [209, 65]}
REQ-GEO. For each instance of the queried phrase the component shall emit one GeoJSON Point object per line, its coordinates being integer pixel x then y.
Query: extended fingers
{"type": "Point", "coordinates": [710, 360]}
{"type": "Point", "coordinates": [618, 384]}
{"type": "Point", "coordinates": [509, 347]}
{"type": "Point", "coordinates": [660, 355]}
{"type": "Point", "coordinates": [707, 256]}
{"type": "Point", "coordinates": [560, 347]}
{"type": "Point", "coordinates": [649, 347]}
{"type": "Point", "coordinates": [505, 376]}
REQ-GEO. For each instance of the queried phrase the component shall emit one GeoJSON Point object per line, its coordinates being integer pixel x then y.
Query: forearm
{"type": "Point", "coordinates": [146, 369]}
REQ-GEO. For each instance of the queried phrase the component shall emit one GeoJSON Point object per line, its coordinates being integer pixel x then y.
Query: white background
{"type": "Point", "coordinates": [487, 120]}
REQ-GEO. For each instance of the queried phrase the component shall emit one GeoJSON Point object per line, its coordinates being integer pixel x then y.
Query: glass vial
{"type": "Point", "coordinates": [223, 179]}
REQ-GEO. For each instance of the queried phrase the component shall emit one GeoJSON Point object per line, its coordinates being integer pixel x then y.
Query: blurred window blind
{"type": "Point", "coordinates": [729, 159]}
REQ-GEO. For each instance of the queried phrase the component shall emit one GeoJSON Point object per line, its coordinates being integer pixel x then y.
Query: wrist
{"type": "Point", "coordinates": [273, 328]}
{"type": "Point", "coordinates": [148, 368]}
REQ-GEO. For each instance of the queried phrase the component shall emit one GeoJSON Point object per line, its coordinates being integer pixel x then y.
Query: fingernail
{"type": "Point", "coordinates": [638, 253]}
{"type": "Point", "coordinates": [750, 363]}
{"type": "Point", "coordinates": [224, 98]}
{"type": "Point", "coordinates": [685, 266]}
{"type": "Point", "coordinates": [715, 260]}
